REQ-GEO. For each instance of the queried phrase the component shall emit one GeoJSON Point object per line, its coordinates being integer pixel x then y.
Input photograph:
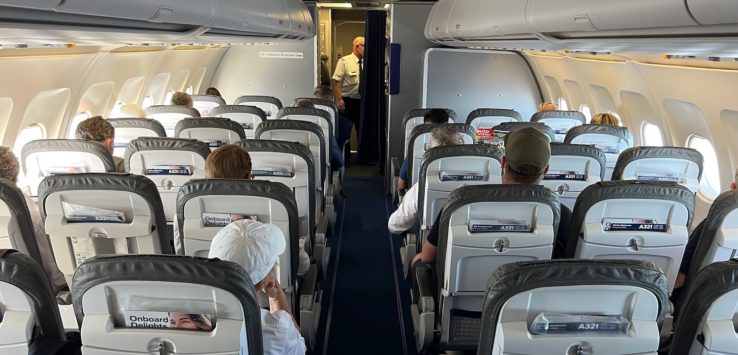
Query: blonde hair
{"type": "Point", "coordinates": [182, 99]}
{"type": "Point", "coordinates": [547, 106]}
{"type": "Point", "coordinates": [228, 162]}
{"type": "Point", "coordinates": [95, 129]}
{"type": "Point", "coordinates": [606, 118]}
{"type": "Point", "coordinates": [9, 167]}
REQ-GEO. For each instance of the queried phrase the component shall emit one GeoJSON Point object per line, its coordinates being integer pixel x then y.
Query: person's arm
{"type": "Point", "coordinates": [427, 254]}
{"type": "Point", "coordinates": [337, 94]}
{"type": "Point", "coordinates": [278, 301]}
{"type": "Point", "coordinates": [406, 214]}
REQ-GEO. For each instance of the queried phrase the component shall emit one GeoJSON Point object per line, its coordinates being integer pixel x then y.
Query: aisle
{"type": "Point", "coordinates": [362, 313]}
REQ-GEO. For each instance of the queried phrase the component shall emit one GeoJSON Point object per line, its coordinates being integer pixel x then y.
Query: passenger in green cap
{"type": "Point", "coordinates": [527, 152]}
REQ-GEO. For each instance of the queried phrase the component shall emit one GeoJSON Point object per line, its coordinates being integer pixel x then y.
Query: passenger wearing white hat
{"type": "Point", "coordinates": [256, 247]}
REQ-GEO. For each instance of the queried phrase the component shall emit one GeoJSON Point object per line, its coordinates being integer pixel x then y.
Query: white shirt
{"type": "Point", "coordinates": [405, 216]}
{"type": "Point", "coordinates": [279, 334]}
{"type": "Point", "coordinates": [347, 73]}
{"type": "Point", "coordinates": [56, 277]}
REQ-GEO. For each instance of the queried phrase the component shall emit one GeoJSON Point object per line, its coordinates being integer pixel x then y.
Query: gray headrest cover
{"type": "Point", "coordinates": [191, 112]}
{"type": "Point", "coordinates": [256, 98]}
{"type": "Point", "coordinates": [209, 98]}
{"type": "Point", "coordinates": [421, 112]}
{"type": "Point", "coordinates": [12, 196]}
{"type": "Point", "coordinates": [68, 145]}
{"type": "Point", "coordinates": [635, 153]}
{"type": "Point", "coordinates": [131, 183]}
{"type": "Point", "coordinates": [620, 132]}
{"type": "Point", "coordinates": [238, 109]}
{"type": "Point", "coordinates": [209, 122]}
{"type": "Point", "coordinates": [306, 111]}
{"type": "Point", "coordinates": [237, 187]}
{"type": "Point", "coordinates": [514, 126]}
{"type": "Point", "coordinates": [515, 278]}
{"type": "Point", "coordinates": [270, 125]}
{"type": "Point", "coordinates": [24, 273]}
{"type": "Point", "coordinates": [152, 143]}
{"type": "Point", "coordinates": [572, 115]}
{"type": "Point", "coordinates": [322, 102]}
{"type": "Point", "coordinates": [493, 112]}
{"type": "Point", "coordinates": [581, 150]}
{"type": "Point", "coordinates": [216, 273]}
{"type": "Point", "coordinates": [723, 205]}
{"type": "Point", "coordinates": [419, 130]}
{"type": "Point", "coordinates": [633, 189]}
{"type": "Point", "coordinates": [142, 123]}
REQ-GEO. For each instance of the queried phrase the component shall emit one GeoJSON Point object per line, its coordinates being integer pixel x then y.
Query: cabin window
{"type": "Point", "coordinates": [168, 98]}
{"type": "Point", "coordinates": [563, 104]}
{"type": "Point", "coordinates": [710, 183]}
{"type": "Point", "coordinates": [157, 88]}
{"type": "Point", "coordinates": [586, 111]}
{"type": "Point", "coordinates": [651, 135]}
{"type": "Point", "coordinates": [148, 101]}
{"type": "Point", "coordinates": [189, 90]}
{"type": "Point", "coordinates": [129, 92]}
{"type": "Point", "coordinates": [75, 122]}
{"type": "Point", "coordinates": [30, 133]}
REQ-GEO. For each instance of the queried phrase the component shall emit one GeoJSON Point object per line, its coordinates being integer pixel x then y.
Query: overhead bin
{"type": "Point", "coordinates": [190, 12]}
{"type": "Point", "coordinates": [489, 18]}
{"type": "Point", "coordinates": [32, 4]}
{"type": "Point", "coordinates": [714, 12]}
{"type": "Point", "coordinates": [435, 28]}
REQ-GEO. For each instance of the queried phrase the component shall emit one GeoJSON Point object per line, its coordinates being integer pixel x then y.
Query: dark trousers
{"type": "Point", "coordinates": [353, 113]}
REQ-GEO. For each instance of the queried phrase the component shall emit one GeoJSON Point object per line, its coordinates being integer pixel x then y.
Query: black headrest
{"type": "Point", "coordinates": [493, 112]}
{"type": "Point", "coordinates": [723, 205]}
{"type": "Point", "coordinates": [620, 132]}
{"type": "Point", "coordinates": [636, 153]}
{"type": "Point", "coordinates": [152, 143]}
{"type": "Point", "coordinates": [421, 112]}
{"type": "Point", "coordinates": [545, 115]}
{"type": "Point", "coordinates": [24, 240]}
{"type": "Point", "coordinates": [68, 145]}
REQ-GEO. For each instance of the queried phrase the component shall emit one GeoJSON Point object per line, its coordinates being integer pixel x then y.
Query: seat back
{"type": "Point", "coordinates": [677, 164]}
{"type": "Point", "coordinates": [169, 163]}
{"type": "Point", "coordinates": [642, 220]}
{"type": "Point", "coordinates": [572, 168]}
{"type": "Point", "coordinates": [414, 118]}
{"type": "Point", "coordinates": [205, 206]}
{"type": "Point", "coordinates": [610, 139]}
{"type": "Point", "coordinates": [169, 115]}
{"type": "Point", "coordinates": [320, 117]}
{"type": "Point", "coordinates": [560, 121]}
{"type": "Point", "coordinates": [46, 157]}
{"type": "Point", "coordinates": [481, 228]}
{"type": "Point", "coordinates": [269, 104]}
{"type": "Point", "coordinates": [307, 133]}
{"type": "Point", "coordinates": [418, 144]}
{"type": "Point", "coordinates": [215, 131]}
{"type": "Point", "coordinates": [206, 103]}
{"type": "Point", "coordinates": [325, 105]}
{"type": "Point", "coordinates": [718, 240]}
{"type": "Point", "coordinates": [250, 117]}
{"type": "Point", "coordinates": [132, 304]}
{"type": "Point", "coordinates": [292, 164]}
{"type": "Point", "coordinates": [128, 129]}
{"type": "Point", "coordinates": [95, 214]}
{"type": "Point", "coordinates": [16, 226]}
{"type": "Point", "coordinates": [705, 322]}
{"type": "Point", "coordinates": [514, 126]}
{"type": "Point", "coordinates": [446, 168]}
{"type": "Point", "coordinates": [27, 304]}
{"type": "Point", "coordinates": [557, 307]}
{"type": "Point", "coordinates": [486, 118]}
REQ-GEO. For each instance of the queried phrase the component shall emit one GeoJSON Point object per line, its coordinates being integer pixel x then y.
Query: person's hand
{"type": "Point", "coordinates": [341, 105]}
{"type": "Point", "coordinates": [272, 289]}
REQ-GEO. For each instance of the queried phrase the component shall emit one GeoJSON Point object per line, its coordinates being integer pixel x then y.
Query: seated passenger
{"type": "Point", "coordinates": [256, 247]}
{"type": "Point", "coordinates": [435, 116]}
{"type": "Point", "coordinates": [606, 118]}
{"type": "Point", "coordinates": [407, 213]}
{"type": "Point", "coordinates": [547, 106]}
{"type": "Point", "coordinates": [130, 111]}
{"type": "Point", "coordinates": [527, 152]}
{"type": "Point", "coordinates": [9, 169]}
{"type": "Point", "coordinates": [100, 130]}
{"type": "Point", "coordinates": [182, 99]}
{"type": "Point", "coordinates": [227, 162]}
{"type": "Point", "coordinates": [336, 155]}
{"type": "Point", "coordinates": [213, 92]}
{"type": "Point", "coordinates": [344, 124]}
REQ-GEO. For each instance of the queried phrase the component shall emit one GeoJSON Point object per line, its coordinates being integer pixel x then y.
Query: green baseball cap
{"type": "Point", "coordinates": [527, 151]}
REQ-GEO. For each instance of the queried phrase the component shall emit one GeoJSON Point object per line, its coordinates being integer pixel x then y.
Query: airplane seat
{"type": "Point", "coordinates": [560, 121]}
{"type": "Point", "coordinates": [572, 168]}
{"type": "Point", "coordinates": [269, 104]}
{"type": "Point", "coordinates": [128, 129]}
{"type": "Point", "coordinates": [444, 169]}
{"type": "Point", "coordinates": [323, 120]}
{"type": "Point", "coordinates": [215, 131]}
{"type": "Point", "coordinates": [718, 240]}
{"type": "Point", "coordinates": [514, 126]}
{"type": "Point", "coordinates": [574, 307]}
{"type": "Point", "coordinates": [291, 164]}
{"type": "Point", "coordinates": [96, 213]}
{"type": "Point", "coordinates": [250, 117]}
{"type": "Point", "coordinates": [611, 140]}
{"type": "Point", "coordinates": [28, 307]}
{"type": "Point", "coordinates": [206, 103]}
{"type": "Point", "coordinates": [678, 164]}
{"type": "Point", "coordinates": [16, 225]}
{"type": "Point", "coordinates": [645, 220]}
{"type": "Point", "coordinates": [706, 321]}
{"type": "Point", "coordinates": [489, 117]}
{"type": "Point", "coordinates": [169, 115]}
{"type": "Point", "coordinates": [169, 163]}
{"type": "Point", "coordinates": [132, 305]}
{"type": "Point", "coordinates": [207, 205]}
{"type": "Point", "coordinates": [325, 105]}
{"type": "Point", "coordinates": [46, 157]}
{"type": "Point", "coordinates": [414, 118]}
{"type": "Point", "coordinates": [482, 227]}
{"type": "Point", "coordinates": [418, 144]}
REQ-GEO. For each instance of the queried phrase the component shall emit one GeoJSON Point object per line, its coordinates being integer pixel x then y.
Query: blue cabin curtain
{"type": "Point", "coordinates": [372, 133]}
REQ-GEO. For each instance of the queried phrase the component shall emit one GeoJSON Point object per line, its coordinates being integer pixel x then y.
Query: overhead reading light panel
{"type": "Point", "coordinates": [335, 5]}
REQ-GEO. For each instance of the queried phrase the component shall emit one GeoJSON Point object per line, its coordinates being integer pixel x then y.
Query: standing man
{"type": "Point", "coordinates": [347, 81]}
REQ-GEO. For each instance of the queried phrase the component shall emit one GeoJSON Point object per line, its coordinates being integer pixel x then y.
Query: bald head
{"type": "Point", "coordinates": [358, 49]}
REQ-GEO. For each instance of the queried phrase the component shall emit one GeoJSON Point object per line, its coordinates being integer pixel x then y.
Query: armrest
{"type": "Point", "coordinates": [308, 286]}
{"type": "Point", "coordinates": [424, 287]}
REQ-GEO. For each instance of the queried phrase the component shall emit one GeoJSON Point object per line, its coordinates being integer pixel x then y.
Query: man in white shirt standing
{"type": "Point", "coordinates": [347, 83]}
